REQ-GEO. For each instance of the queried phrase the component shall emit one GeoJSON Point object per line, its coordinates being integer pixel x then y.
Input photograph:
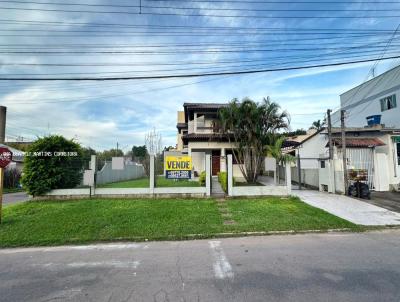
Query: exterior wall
{"type": "Point", "coordinates": [179, 142]}
{"type": "Point", "coordinates": [392, 168]}
{"type": "Point", "coordinates": [199, 160]}
{"type": "Point", "coordinates": [313, 149]}
{"type": "Point", "coordinates": [180, 119]}
{"type": "Point", "coordinates": [364, 100]}
{"type": "Point", "coordinates": [198, 150]}
{"type": "Point", "coordinates": [181, 116]}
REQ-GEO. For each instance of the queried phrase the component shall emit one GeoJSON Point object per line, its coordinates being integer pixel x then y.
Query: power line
{"type": "Point", "coordinates": [197, 15]}
{"type": "Point", "coordinates": [184, 51]}
{"type": "Point", "coordinates": [190, 75]}
{"type": "Point", "coordinates": [124, 25]}
{"type": "Point", "coordinates": [193, 8]}
{"type": "Point", "coordinates": [277, 2]}
{"type": "Point", "coordinates": [217, 66]}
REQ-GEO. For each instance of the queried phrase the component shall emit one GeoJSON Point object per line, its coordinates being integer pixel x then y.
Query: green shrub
{"type": "Point", "coordinates": [47, 171]}
{"type": "Point", "coordinates": [202, 178]}
{"type": "Point", "coordinates": [223, 180]}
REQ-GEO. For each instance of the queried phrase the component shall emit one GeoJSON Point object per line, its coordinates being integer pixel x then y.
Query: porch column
{"type": "Point", "coordinates": [223, 160]}
{"type": "Point", "coordinates": [230, 175]}
{"type": "Point", "coordinates": [208, 175]}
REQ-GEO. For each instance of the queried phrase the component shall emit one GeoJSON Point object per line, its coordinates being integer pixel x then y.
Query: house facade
{"type": "Point", "coordinates": [373, 156]}
{"type": "Point", "coordinates": [199, 134]}
{"type": "Point", "coordinates": [376, 97]}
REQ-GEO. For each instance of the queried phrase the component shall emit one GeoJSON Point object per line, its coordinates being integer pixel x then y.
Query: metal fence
{"type": "Point", "coordinates": [108, 175]}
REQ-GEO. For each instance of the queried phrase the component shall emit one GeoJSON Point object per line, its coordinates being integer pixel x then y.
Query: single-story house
{"type": "Point", "coordinates": [372, 153]}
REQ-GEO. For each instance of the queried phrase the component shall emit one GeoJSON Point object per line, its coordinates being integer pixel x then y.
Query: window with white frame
{"type": "Point", "coordinates": [388, 102]}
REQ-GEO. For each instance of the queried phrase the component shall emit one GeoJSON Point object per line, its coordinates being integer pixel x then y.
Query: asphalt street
{"type": "Point", "coordinates": [314, 267]}
{"type": "Point", "coordinates": [12, 198]}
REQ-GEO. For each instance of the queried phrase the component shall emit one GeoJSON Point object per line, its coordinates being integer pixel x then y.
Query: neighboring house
{"type": "Point", "coordinates": [199, 133]}
{"type": "Point", "coordinates": [376, 97]}
{"type": "Point", "coordinates": [17, 159]}
{"type": "Point", "coordinates": [373, 155]}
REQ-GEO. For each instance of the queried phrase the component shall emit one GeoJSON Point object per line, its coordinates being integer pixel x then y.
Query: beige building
{"type": "Point", "coordinates": [199, 133]}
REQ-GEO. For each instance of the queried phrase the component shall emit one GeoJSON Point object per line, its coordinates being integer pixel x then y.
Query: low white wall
{"type": "Point", "coordinates": [72, 192]}
{"type": "Point", "coordinates": [259, 190]}
{"type": "Point", "coordinates": [181, 190]}
{"type": "Point", "coordinates": [122, 191]}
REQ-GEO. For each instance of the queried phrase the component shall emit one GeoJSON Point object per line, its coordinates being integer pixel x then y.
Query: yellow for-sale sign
{"type": "Point", "coordinates": [178, 167]}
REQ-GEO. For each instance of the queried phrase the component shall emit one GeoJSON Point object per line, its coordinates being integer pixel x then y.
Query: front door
{"type": "Point", "coordinates": [216, 162]}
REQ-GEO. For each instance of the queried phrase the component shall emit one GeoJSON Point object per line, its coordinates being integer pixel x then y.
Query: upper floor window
{"type": "Point", "coordinates": [388, 102]}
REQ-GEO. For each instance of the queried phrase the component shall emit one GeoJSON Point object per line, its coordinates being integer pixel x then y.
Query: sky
{"type": "Point", "coordinates": [94, 38]}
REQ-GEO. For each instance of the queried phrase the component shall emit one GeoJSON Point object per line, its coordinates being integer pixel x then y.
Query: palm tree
{"type": "Point", "coordinates": [275, 150]}
{"type": "Point", "coordinates": [318, 125]}
{"type": "Point", "coordinates": [249, 125]}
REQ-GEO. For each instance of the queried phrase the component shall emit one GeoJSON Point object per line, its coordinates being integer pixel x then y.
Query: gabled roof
{"type": "Point", "coordinates": [358, 142]}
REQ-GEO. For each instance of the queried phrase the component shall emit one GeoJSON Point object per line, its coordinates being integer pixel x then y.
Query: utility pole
{"type": "Point", "coordinates": [343, 130]}
{"type": "Point", "coordinates": [330, 134]}
{"type": "Point", "coordinates": [3, 115]}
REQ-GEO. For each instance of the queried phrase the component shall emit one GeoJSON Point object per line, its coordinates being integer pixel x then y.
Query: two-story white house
{"type": "Point", "coordinates": [376, 97]}
{"type": "Point", "coordinates": [199, 133]}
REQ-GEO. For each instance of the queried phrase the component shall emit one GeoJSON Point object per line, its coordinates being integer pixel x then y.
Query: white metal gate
{"type": "Point", "coordinates": [362, 159]}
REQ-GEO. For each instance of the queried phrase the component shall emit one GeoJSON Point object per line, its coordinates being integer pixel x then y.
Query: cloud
{"type": "Point", "coordinates": [101, 114]}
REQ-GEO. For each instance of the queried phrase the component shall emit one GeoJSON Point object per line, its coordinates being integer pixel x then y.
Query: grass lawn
{"type": "Point", "coordinates": [82, 221]}
{"type": "Point", "coordinates": [281, 214]}
{"type": "Point", "coordinates": [161, 181]}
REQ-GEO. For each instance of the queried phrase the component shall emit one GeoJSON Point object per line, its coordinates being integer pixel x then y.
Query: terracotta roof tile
{"type": "Point", "coordinates": [359, 142]}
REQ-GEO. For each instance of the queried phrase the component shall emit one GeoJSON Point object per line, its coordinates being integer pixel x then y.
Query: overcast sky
{"type": "Point", "coordinates": [100, 114]}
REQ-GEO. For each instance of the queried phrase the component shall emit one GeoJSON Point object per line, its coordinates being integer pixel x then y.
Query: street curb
{"type": "Point", "coordinates": [214, 236]}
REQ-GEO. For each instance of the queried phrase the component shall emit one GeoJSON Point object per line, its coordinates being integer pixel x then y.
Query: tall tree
{"type": "Point", "coordinates": [250, 125]}
{"type": "Point", "coordinates": [318, 125]}
{"type": "Point", "coordinates": [139, 153]}
{"type": "Point", "coordinates": [275, 150]}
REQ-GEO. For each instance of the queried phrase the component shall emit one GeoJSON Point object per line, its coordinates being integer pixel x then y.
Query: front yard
{"type": "Point", "coordinates": [82, 221]}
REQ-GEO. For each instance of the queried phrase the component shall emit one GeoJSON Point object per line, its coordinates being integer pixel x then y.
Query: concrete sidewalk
{"type": "Point", "coordinates": [353, 210]}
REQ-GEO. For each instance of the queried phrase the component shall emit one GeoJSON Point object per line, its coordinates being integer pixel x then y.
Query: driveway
{"type": "Point", "coordinates": [387, 200]}
{"type": "Point", "coordinates": [12, 198]}
{"type": "Point", "coordinates": [291, 268]}
{"type": "Point", "coordinates": [353, 210]}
